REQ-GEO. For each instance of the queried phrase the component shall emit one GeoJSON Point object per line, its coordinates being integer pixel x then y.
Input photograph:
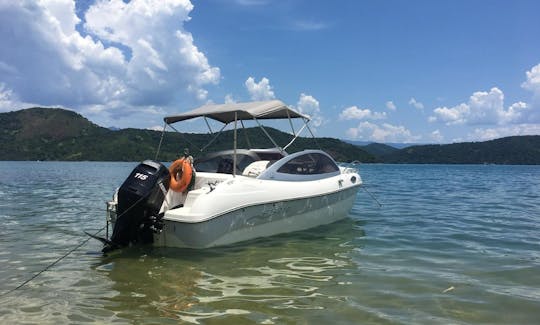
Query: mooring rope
{"type": "Point", "coordinates": [68, 253]}
{"type": "Point", "coordinates": [372, 196]}
{"type": "Point", "coordinates": [52, 264]}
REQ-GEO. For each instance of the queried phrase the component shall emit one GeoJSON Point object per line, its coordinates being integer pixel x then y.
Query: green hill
{"type": "Point", "coordinates": [379, 149]}
{"type": "Point", "coordinates": [516, 150]}
{"type": "Point", "coordinates": [59, 134]}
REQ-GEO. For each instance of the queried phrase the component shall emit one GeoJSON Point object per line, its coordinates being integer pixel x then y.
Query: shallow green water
{"type": "Point", "coordinates": [451, 244]}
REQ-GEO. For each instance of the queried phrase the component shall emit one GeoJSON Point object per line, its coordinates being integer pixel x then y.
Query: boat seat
{"type": "Point", "coordinates": [256, 168]}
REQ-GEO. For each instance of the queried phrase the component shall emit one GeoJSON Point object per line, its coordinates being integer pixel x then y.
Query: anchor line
{"type": "Point", "coordinates": [66, 254]}
{"type": "Point", "coordinates": [52, 264]}
{"type": "Point", "coordinates": [372, 196]}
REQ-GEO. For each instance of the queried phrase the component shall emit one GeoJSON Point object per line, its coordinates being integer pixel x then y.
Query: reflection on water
{"type": "Point", "coordinates": [241, 282]}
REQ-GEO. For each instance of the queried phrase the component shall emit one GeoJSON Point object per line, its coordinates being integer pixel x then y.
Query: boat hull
{"type": "Point", "coordinates": [259, 220]}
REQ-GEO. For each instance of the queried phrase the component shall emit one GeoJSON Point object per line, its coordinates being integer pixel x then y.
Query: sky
{"type": "Point", "coordinates": [368, 70]}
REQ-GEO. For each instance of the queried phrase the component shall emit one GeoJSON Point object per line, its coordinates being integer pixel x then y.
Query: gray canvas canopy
{"type": "Point", "coordinates": [226, 113]}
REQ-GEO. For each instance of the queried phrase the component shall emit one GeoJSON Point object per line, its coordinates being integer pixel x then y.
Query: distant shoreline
{"type": "Point", "coordinates": [55, 134]}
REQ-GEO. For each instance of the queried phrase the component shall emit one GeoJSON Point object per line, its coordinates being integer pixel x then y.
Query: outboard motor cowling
{"type": "Point", "coordinates": [139, 200]}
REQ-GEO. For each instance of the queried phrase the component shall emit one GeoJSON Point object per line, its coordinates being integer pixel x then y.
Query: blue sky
{"type": "Point", "coordinates": [384, 71]}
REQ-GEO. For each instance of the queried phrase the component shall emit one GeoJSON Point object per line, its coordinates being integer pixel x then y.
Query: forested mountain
{"type": "Point", "coordinates": [516, 150]}
{"type": "Point", "coordinates": [379, 149]}
{"type": "Point", "coordinates": [59, 134]}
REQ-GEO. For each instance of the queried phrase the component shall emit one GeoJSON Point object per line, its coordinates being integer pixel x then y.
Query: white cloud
{"type": "Point", "coordinates": [117, 114]}
{"type": "Point", "coordinates": [261, 90]}
{"type": "Point", "coordinates": [308, 105]}
{"type": "Point", "coordinates": [135, 54]}
{"type": "Point", "coordinates": [51, 71]}
{"type": "Point", "coordinates": [453, 115]}
{"type": "Point", "coordinates": [516, 113]}
{"type": "Point", "coordinates": [436, 136]}
{"type": "Point", "coordinates": [533, 80]}
{"type": "Point", "coordinates": [7, 100]}
{"type": "Point", "coordinates": [483, 108]}
{"type": "Point", "coordinates": [355, 113]}
{"type": "Point", "coordinates": [381, 133]}
{"type": "Point", "coordinates": [156, 128]}
{"type": "Point", "coordinates": [229, 99]}
{"type": "Point", "coordinates": [390, 105]}
{"type": "Point", "coordinates": [484, 134]}
{"type": "Point", "coordinates": [532, 83]}
{"type": "Point", "coordinates": [304, 25]}
{"type": "Point", "coordinates": [165, 60]}
{"type": "Point", "coordinates": [487, 108]}
{"type": "Point", "coordinates": [416, 104]}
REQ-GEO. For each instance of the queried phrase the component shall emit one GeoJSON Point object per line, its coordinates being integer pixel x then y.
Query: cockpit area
{"type": "Point", "coordinates": [222, 161]}
{"type": "Point", "coordinates": [270, 164]}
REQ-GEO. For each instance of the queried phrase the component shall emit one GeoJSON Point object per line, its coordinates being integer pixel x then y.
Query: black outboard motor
{"type": "Point", "coordinates": [139, 200]}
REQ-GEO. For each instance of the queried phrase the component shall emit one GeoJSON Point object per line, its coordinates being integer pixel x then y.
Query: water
{"type": "Point", "coordinates": [450, 245]}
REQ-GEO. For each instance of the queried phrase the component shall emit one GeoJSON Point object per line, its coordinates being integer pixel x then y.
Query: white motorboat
{"type": "Point", "coordinates": [234, 195]}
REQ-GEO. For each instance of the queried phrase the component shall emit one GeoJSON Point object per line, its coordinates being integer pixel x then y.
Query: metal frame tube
{"type": "Point", "coordinates": [161, 140]}
{"type": "Point", "coordinates": [268, 135]}
{"type": "Point", "coordinates": [214, 139]}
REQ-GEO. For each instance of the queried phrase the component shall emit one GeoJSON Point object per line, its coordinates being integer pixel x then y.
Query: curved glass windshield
{"type": "Point", "coordinates": [309, 164]}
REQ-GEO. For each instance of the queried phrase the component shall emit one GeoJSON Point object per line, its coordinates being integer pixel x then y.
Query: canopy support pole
{"type": "Point", "coordinates": [295, 136]}
{"type": "Point", "coordinates": [312, 135]}
{"type": "Point", "coordinates": [160, 141]}
{"type": "Point", "coordinates": [185, 138]}
{"type": "Point", "coordinates": [246, 134]}
{"type": "Point", "coordinates": [215, 137]}
{"type": "Point", "coordinates": [208, 124]}
{"type": "Point", "coordinates": [268, 135]}
{"type": "Point", "coordinates": [290, 122]}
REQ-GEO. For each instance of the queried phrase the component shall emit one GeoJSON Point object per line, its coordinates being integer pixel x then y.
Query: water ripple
{"type": "Point", "coordinates": [450, 245]}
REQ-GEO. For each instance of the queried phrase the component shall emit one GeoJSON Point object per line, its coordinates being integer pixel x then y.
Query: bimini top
{"type": "Point", "coordinates": [225, 113]}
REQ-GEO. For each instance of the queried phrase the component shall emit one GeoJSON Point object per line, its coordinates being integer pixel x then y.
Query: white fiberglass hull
{"type": "Point", "coordinates": [242, 208]}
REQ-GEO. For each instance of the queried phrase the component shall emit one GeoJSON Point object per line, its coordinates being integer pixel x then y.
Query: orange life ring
{"type": "Point", "coordinates": [181, 166]}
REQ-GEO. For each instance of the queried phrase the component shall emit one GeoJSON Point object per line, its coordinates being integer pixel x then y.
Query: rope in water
{"type": "Point", "coordinates": [52, 264]}
{"type": "Point", "coordinates": [372, 196]}
{"type": "Point", "coordinates": [66, 254]}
